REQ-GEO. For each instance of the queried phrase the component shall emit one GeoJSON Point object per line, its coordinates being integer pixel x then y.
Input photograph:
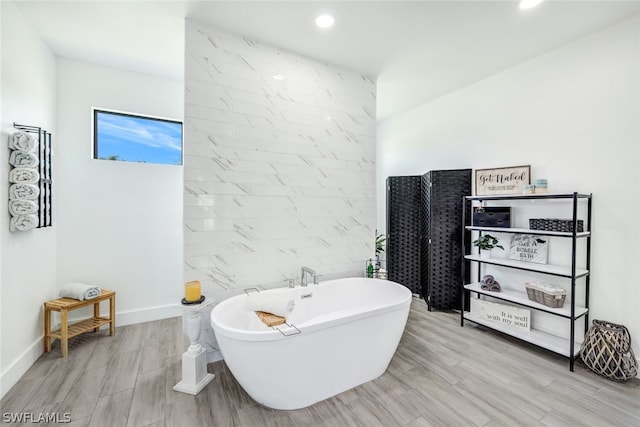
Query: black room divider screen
{"type": "Point", "coordinates": [424, 232]}
{"type": "Point", "coordinates": [404, 218]}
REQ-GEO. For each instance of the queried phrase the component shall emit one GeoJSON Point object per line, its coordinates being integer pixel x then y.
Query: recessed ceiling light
{"type": "Point", "coordinates": [278, 77]}
{"type": "Point", "coordinates": [324, 21]}
{"type": "Point", "coordinates": [528, 4]}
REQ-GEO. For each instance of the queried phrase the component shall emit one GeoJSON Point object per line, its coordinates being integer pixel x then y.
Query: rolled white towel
{"type": "Point", "coordinates": [23, 222]}
{"type": "Point", "coordinates": [79, 291]}
{"type": "Point", "coordinates": [24, 191]}
{"type": "Point", "coordinates": [24, 175]}
{"type": "Point", "coordinates": [549, 287]}
{"type": "Point", "coordinates": [22, 141]}
{"type": "Point", "coordinates": [280, 305]}
{"type": "Point", "coordinates": [23, 159]}
{"type": "Point", "coordinates": [19, 207]}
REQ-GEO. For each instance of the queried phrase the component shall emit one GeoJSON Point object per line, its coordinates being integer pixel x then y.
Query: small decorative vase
{"type": "Point", "coordinates": [485, 253]}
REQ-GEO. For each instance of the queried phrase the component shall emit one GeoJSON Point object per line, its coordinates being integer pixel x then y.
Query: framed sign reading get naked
{"type": "Point", "coordinates": [507, 180]}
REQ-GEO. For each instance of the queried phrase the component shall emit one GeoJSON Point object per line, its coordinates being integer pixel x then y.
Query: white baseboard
{"type": "Point", "coordinates": [148, 314]}
{"type": "Point", "coordinates": [20, 366]}
{"type": "Point", "coordinates": [214, 356]}
{"type": "Point", "coordinates": [10, 376]}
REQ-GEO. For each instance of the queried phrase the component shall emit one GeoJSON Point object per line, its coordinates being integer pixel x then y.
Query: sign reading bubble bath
{"type": "Point", "coordinates": [529, 248]}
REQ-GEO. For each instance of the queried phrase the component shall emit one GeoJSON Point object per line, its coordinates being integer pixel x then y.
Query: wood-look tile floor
{"type": "Point", "coordinates": [441, 375]}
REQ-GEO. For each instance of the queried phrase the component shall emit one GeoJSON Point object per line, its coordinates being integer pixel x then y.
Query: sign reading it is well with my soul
{"type": "Point", "coordinates": [508, 316]}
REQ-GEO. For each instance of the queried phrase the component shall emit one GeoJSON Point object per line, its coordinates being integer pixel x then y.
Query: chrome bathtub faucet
{"type": "Point", "coordinates": [313, 274]}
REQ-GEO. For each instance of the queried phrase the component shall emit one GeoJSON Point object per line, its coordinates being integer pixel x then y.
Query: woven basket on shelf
{"type": "Point", "coordinates": [606, 350]}
{"type": "Point", "coordinates": [551, 296]}
{"type": "Point", "coordinates": [554, 224]}
{"type": "Point", "coordinates": [545, 298]}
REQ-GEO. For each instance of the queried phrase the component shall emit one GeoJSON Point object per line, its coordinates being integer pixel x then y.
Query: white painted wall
{"type": "Point", "coordinates": [27, 259]}
{"type": "Point", "coordinates": [119, 223]}
{"type": "Point", "coordinates": [279, 173]}
{"type": "Point", "coordinates": [573, 115]}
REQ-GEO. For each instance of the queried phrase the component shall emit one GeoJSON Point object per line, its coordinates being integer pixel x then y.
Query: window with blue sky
{"type": "Point", "coordinates": [135, 138]}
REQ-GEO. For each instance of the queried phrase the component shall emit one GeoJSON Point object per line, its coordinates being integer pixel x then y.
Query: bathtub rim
{"type": "Point", "coordinates": [274, 335]}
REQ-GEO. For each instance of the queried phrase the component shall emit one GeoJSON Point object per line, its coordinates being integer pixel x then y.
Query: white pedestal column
{"type": "Point", "coordinates": [194, 360]}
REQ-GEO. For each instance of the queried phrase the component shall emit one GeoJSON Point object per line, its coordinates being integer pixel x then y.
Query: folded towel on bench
{"type": "Point", "coordinates": [79, 291]}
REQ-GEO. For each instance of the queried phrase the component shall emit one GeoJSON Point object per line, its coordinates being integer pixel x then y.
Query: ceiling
{"type": "Point", "coordinates": [448, 43]}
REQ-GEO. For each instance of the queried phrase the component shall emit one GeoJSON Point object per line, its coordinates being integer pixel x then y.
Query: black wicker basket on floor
{"type": "Point", "coordinates": [606, 350]}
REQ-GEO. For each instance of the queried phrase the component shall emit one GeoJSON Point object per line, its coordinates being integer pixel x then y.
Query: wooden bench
{"type": "Point", "coordinates": [66, 331]}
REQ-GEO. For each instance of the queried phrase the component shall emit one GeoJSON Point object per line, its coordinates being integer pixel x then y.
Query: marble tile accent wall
{"type": "Point", "coordinates": [279, 165]}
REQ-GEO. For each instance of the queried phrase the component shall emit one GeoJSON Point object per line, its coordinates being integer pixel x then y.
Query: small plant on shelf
{"type": "Point", "coordinates": [380, 239]}
{"type": "Point", "coordinates": [373, 267]}
{"type": "Point", "coordinates": [486, 242]}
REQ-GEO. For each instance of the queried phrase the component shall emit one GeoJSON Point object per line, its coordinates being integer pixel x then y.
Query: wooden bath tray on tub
{"type": "Point", "coordinates": [270, 319]}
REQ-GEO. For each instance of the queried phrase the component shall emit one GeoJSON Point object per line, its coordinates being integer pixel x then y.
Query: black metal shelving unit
{"type": "Point", "coordinates": [568, 348]}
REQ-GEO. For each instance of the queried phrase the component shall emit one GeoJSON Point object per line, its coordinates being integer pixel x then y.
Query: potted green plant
{"type": "Point", "coordinates": [379, 243]}
{"type": "Point", "coordinates": [380, 239]}
{"type": "Point", "coordinates": [485, 243]}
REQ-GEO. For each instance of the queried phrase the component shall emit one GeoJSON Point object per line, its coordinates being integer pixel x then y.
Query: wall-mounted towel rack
{"type": "Point", "coordinates": [44, 168]}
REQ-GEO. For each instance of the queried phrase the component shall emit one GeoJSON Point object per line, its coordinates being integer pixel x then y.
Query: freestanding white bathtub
{"type": "Point", "coordinates": [349, 330]}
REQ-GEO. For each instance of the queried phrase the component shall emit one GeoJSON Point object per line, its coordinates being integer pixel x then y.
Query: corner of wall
{"type": "Point", "coordinates": [28, 96]}
{"type": "Point", "coordinates": [18, 367]}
